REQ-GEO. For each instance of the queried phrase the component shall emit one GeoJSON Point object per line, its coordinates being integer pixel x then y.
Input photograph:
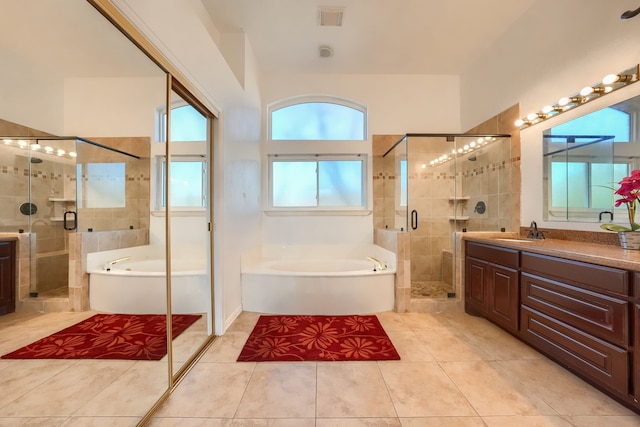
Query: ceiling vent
{"type": "Point", "coordinates": [326, 52]}
{"type": "Point", "coordinates": [330, 16]}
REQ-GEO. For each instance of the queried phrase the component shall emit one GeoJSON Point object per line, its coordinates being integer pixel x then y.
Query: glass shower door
{"type": "Point", "coordinates": [432, 203]}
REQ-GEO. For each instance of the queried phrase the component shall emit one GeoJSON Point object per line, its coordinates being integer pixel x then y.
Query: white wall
{"type": "Point", "coordinates": [113, 107]}
{"type": "Point", "coordinates": [396, 104]}
{"type": "Point", "coordinates": [554, 50]}
{"type": "Point", "coordinates": [183, 32]}
{"type": "Point", "coordinates": [32, 96]}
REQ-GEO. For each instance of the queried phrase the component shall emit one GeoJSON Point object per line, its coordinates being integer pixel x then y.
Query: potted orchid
{"type": "Point", "coordinates": [629, 192]}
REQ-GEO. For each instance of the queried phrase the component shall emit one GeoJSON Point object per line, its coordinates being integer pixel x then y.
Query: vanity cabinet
{"type": "Point", "coordinates": [7, 276]}
{"type": "Point", "coordinates": [578, 314]}
{"type": "Point", "coordinates": [491, 284]}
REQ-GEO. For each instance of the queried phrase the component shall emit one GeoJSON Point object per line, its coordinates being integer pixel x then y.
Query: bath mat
{"type": "Point", "coordinates": [317, 338]}
{"type": "Point", "coordinates": [109, 336]}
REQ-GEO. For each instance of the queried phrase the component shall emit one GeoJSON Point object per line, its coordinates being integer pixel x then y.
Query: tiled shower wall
{"type": "Point", "coordinates": [496, 181]}
{"type": "Point", "coordinates": [61, 254]}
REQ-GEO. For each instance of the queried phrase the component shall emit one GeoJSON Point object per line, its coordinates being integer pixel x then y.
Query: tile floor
{"type": "Point", "coordinates": [70, 393]}
{"type": "Point", "coordinates": [456, 371]}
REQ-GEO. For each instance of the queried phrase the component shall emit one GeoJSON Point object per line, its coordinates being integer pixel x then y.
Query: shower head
{"type": "Point", "coordinates": [630, 13]}
{"type": "Point", "coordinates": [36, 160]}
{"type": "Point", "coordinates": [472, 158]}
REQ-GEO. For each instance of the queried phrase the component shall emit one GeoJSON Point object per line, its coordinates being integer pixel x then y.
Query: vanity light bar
{"type": "Point", "coordinates": [21, 143]}
{"type": "Point", "coordinates": [610, 83]}
{"type": "Point", "coordinates": [466, 149]}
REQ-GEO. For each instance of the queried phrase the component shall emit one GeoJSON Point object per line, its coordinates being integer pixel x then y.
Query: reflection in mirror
{"type": "Point", "coordinates": [66, 70]}
{"type": "Point", "coordinates": [585, 158]}
{"type": "Point", "coordinates": [184, 180]}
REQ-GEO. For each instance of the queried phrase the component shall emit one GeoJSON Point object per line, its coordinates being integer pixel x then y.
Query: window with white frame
{"type": "Point", "coordinates": [188, 182]}
{"type": "Point", "coordinates": [317, 182]}
{"type": "Point", "coordinates": [316, 158]}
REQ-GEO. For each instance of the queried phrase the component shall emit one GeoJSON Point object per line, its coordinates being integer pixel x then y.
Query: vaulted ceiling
{"type": "Point", "coordinates": [376, 36]}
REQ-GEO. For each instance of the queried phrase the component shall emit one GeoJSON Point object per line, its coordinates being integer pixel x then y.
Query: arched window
{"type": "Point", "coordinates": [318, 118]}
{"type": "Point", "coordinates": [329, 170]}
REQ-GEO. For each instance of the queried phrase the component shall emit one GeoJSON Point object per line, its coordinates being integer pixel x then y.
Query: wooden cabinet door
{"type": "Point", "coordinates": [7, 277]}
{"type": "Point", "coordinates": [503, 300]}
{"type": "Point", "coordinates": [476, 290]}
{"type": "Point", "coordinates": [636, 351]}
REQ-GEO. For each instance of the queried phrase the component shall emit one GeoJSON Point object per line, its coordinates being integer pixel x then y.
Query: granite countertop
{"type": "Point", "coordinates": [608, 255]}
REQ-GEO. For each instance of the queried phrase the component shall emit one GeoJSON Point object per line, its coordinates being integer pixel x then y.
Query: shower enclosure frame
{"type": "Point", "coordinates": [428, 191]}
{"type": "Point", "coordinates": [62, 203]}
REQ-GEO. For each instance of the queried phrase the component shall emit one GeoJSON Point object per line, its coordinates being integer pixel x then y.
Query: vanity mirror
{"type": "Point", "coordinates": [584, 158]}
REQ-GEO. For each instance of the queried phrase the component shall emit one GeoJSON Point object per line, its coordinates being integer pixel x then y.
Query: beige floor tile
{"type": "Point", "coordinates": [465, 321]}
{"type": "Point", "coordinates": [422, 390]}
{"type": "Point", "coordinates": [101, 422]}
{"type": "Point", "coordinates": [500, 345]}
{"type": "Point", "coordinates": [190, 422]}
{"type": "Point", "coordinates": [18, 377]}
{"type": "Point", "coordinates": [209, 390]}
{"type": "Point", "coordinates": [563, 391]}
{"type": "Point", "coordinates": [392, 321]}
{"type": "Point", "coordinates": [528, 421]}
{"type": "Point", "coordinates": [67, 391]}
{"type": "Point", "coordinates": [132, 393]}
{"type": "Point", "coordinates": [444, 422]}
{"type": "Point", "coordinates": [187, 343]}
{"type": "Point", "coordinates": [451, 345]}
{"type": "Point", "coordinates": [494, 391]}
{"type": "Point", "coordinates": [280, 390]}
{"type": "Point", "coordinates": [424, 321]}
{"type": "Point", "coordinates": [32, 422]}
{"type": "Point", "coordinates": [352, 389]}
{"type": "Point", "coordinates": [358, 422]}
{"type": "Point", "coordinates": [605, 421]}
{"type": "Point", "coordinates": [246, 321]}
{"type": "Point", "coordinates": [226, 348]}
{"type": "Point", "coordinates": [292, 422]}
{"type": "Point", "coordinates": [409, 347]}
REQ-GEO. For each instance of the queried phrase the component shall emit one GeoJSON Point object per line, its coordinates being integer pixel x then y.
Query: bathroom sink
{"type": "Point", "coordinates": [515, 240]}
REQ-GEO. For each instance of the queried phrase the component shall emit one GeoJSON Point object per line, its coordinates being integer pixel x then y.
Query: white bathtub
{"type": "Point", "coordinates": [333, 280]}
{"type": "Point", "coordinates": [139, 287]}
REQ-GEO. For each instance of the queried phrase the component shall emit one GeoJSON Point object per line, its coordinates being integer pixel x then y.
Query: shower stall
{"type": "Point", "coordinates": [51, 187]}
{"type": "Point", "coordinates": [438, 184]}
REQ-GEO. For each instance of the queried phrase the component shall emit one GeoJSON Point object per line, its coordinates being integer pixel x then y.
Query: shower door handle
{"type": "Point", "coordinates": [414, 219]}
{"type": "Point", "coordinates": [74, 221]}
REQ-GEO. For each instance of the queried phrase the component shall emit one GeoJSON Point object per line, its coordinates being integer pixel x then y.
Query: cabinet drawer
{"type": "Point", "coordinates": [599, 361]}
{"type": "Point", "coordinates": [597, 314]}
{"type": "Point", "coordinates": [494, 254]}
{"type": "Point", "coordinates": [585, 275]}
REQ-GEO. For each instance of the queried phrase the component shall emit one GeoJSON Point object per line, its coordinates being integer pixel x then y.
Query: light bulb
{"type": "Point", "coordinates": [610, 78]}
{"type": "Point", "coordinates": [587, 90]}
{"type": "Point", "coordinates": [532, 116]}
{"type": "Point", "coordinates": [519, 122]}
{"type": "Point", "coordinates": [424, 166]}
{"type": "Point", "coordinates": [73, 154]}
{"type": "Point", "coordinates": [35, 146]}
{"type": "Point", "coordinates": [473, 143]}
{"type": "Point", "coordinates": [61, 152]}
{"type": "Point", "coordinates": [547, 109]}
{"type": "Point", "coordinates": [48, 149]}
{"type": "Point", "coordinates": [563, 101]}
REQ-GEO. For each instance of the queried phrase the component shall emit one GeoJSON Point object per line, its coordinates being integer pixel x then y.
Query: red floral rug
{"type": "Point", "coordinates": [326, 338]}
{"type": "Point", "coordinates": [109, 336]}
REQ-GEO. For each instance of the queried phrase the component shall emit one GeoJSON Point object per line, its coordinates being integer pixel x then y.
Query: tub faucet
{"type": "Point", "coordinates": [533, 232]}
{"type": "Point", "coordinates": [108, 265]}
{"type": "Point", "coordinates": [379, 265]}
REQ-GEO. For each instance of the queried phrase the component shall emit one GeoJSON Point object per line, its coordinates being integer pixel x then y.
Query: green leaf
{"type": "Point", "coordinates": [617, 228]}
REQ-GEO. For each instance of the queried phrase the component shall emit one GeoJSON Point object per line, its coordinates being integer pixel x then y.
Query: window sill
{"type": "Point", "coordinates": [174, 212]}
{"type": "Point", "coordinates": [318, 213]}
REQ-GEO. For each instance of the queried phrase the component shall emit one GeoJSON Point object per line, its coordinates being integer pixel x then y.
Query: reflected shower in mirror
{"type": "Point", "coordinates": [584, 158]}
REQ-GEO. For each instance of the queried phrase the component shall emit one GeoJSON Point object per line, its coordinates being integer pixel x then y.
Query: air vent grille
{"type": "Point", "coordinates": [330, 16]}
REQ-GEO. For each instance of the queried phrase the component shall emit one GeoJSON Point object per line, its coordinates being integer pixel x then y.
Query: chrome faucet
{"type": "Point", "coordinates": [108, 265]}
{"type": "Point", "coordinates": [379, 265]}
{"type": "Point", "coordinates": [534, 233]}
